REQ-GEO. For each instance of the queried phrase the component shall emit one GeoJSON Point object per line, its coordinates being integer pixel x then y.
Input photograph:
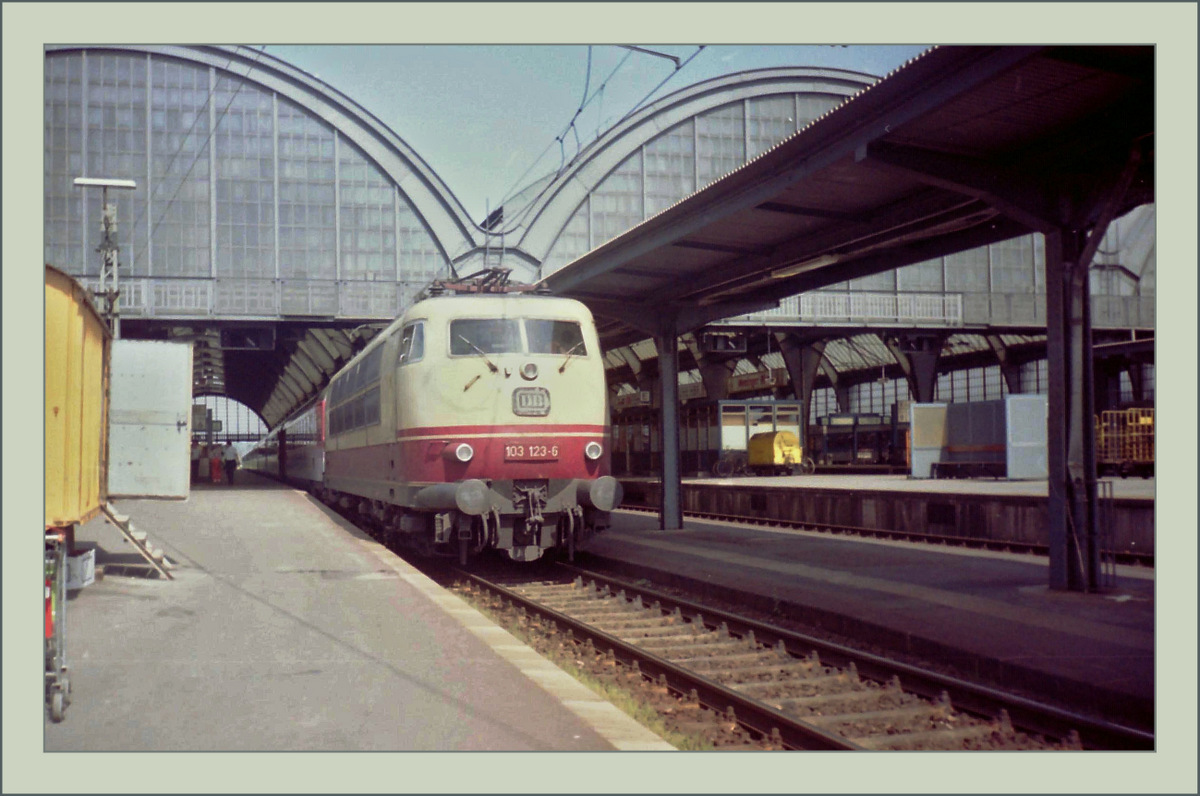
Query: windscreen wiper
{"type": "Point", "coordinates": [479, 351]}
{"type": "Point", "coordinates": [569, 354]}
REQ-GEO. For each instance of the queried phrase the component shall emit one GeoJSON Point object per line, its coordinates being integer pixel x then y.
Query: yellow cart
{"type": "Point", "coordinates": [76, 436]}
{"type": "Point", "coordinates": [777, 453]}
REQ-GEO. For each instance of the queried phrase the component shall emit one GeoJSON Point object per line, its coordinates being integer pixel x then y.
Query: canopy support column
{"type": "Point", "coordinates": [802, 360]}
{"type": "Point", "coordinates": [1074, 547]}
{"type": "Point", "coordinates": [670, 514]}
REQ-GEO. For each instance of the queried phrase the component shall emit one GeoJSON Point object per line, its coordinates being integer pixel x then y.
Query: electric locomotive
{"type": "Point", "coordinates": [478, 420]}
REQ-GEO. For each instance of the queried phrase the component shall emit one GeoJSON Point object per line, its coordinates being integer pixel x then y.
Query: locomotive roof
{"type": "Point", "coordinates": [453, 304]}
{"type": "Point", "coordinates": [444, 304]}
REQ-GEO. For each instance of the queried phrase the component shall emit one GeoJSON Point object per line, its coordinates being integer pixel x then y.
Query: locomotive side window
{"type": "Point", "coordinates": [338, 392]}
{"type": "Point", "coordinates": [554, 337]}
{"type": "Point", "coordinates": [367, 371]}
{"type": "Point", "coordinates": [473, 336]}
{"type": "Point", "coordinates": [412, 343]}
{"type": "Point", "coordinates": [354, 396]}
{"type": "Point", "coordinates": [370, 401]}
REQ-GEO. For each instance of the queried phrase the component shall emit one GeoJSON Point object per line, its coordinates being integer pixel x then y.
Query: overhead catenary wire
{"type": "Point", "coordinates": [558, 139]}
{"type": "Point", "coordinates": [665, 80]}
{"type": "Point", "coordinates": [587, 81]}
{"type": "Point", "coordinates": [648, 51]}
{"type": "Point", "coordinates": [509, 224]}
{"type": "Point", "coordinates": [513, 221]}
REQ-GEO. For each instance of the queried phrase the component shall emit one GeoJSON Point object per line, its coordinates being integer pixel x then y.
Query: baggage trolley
{"type": "Point", "coordinates": [58, 686]}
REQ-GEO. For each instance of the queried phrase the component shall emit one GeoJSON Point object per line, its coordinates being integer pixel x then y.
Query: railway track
{"type": "Point", "coordinates": [1118, 557]}
{"type": "Point", "coordinates": [791, 690]}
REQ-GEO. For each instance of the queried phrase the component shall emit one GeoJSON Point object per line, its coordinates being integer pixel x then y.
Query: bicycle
{"type": "Point", "coordinates": [731, 463]}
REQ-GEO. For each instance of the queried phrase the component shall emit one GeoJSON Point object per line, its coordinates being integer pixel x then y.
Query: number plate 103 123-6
{"type": "Point", "coordinates": [522, 452]}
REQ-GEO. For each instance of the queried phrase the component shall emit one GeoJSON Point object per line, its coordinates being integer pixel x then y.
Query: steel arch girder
{"type": "Point", "coordinates": [317, 353]}
{"type": "Point", "coordinates": [301, 362]}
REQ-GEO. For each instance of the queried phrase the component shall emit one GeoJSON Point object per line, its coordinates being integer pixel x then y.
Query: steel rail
{"type": "Point", "coordinates": [970, 697]}
{"type": "Point", "coordinates": [998, 545]}
{"type": "Point", "coordinates": [750, 713]}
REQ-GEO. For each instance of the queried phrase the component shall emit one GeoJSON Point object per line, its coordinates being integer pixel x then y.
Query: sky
{"type": "Point", "coordinates": [485, 118]}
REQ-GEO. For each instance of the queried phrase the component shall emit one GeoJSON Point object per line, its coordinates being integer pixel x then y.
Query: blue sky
{"type": "Point", "coordinates": [482, 115]}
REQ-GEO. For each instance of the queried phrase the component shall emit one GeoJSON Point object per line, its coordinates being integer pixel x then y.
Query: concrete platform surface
{"type": "Point", "coordinates": [288, 629]}
{"type": "Point", "coordinates": [993, 612]}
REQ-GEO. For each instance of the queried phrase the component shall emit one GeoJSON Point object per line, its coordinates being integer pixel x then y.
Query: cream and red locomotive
{"type": "Point", "coordinates": [475, 421]}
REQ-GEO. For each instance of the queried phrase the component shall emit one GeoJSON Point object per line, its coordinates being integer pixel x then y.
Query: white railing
{"type": "Point", "coordinates": [829, 308]}
{"type": "Point", "coordinates": [166, 297]}
{"type": "Point", "coordinates": [271, 298]}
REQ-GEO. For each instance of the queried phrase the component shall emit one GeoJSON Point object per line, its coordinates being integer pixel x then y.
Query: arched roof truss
{"type": "Point", "coordinates": [666, 152]}
{"type": "Point", "coordinates": [310, 115]}
{"type": "Point", "coordinates": [263, 196]}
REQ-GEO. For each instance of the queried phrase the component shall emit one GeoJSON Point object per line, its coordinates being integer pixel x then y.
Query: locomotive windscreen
{"type": "Point", "coordinates": [554, 337]}
{"type": "Point", "coordinates": [487, 335]}
{"type": "Point", "coordinates": [502, 336]}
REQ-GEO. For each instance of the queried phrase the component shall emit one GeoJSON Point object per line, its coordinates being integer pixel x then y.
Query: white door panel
{"type": "Point", "coordinates": [150, 402]}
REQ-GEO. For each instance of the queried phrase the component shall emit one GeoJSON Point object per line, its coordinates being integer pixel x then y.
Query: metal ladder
{"type": "Point", "coordinates": [141, 543]}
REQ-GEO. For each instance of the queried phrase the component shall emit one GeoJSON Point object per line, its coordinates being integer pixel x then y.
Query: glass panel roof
{"type": "Point", "coordinates": [860, 352]}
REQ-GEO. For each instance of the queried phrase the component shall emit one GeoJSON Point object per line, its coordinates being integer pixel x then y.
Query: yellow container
{"type": "Point", "coordinates": [1141, 436]}
{"type": "Point", "coordinates": [76, 432]}
{"type": "Point", "coordinates": [774, 449]}
{"type": "Point", "coordinates": [1125, 441]}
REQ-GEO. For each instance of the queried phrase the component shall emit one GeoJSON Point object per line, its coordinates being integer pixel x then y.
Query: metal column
{"type": "Point", "coordinates": [802, 361]}
{"type": "Point", "coordinates": [1074, 547]}
{"type": "Point", "coordinates": [671, 512]}
{"type": "Point", "coordinates": [1081, 441]}
{"type": "Point", "coordinates": [918, 355]}
{"type": "Point", "coordinates": [110, 288]}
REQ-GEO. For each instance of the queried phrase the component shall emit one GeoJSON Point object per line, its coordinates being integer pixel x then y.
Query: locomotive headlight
{"type": "Point", "coordinates": [461, 452]}
{"type": "Point", "coordinates": [529, 371]}
{"type": "Point", "coordinates": [593, 450]}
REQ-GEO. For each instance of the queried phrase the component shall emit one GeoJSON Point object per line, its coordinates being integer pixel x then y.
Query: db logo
{"type": "Point", "coordinates": [531, 402]}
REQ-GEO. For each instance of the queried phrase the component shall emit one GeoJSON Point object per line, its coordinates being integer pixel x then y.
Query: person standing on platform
{"type": "Point", "coordinates": [195, 461]}
{"type": "Point", "coordinates": [214, 463]}
{"type": "Point", "coordinates": [230, 455]}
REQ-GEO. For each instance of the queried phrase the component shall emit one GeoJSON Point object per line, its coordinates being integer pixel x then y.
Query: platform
{"type": "Point", "coordinates": [984, 508]}
{"type": "Point", "coordinates": [986, 614]}
{"type": "Point", "coordinates": [288, 629]}
{"type": "Point", "coordinates": [1123, 488]}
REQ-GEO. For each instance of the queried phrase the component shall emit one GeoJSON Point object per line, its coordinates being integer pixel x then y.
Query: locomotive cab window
{"type": "Point", "coordinates": [473, 336]}
{"type": "Point", "coordinates": [554, 337]}
{"type": "Point", "coordinates": [412, 344]}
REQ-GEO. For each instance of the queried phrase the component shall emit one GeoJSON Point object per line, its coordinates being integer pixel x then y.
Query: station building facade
{"type": "Point", "coordinates": [265, 195]}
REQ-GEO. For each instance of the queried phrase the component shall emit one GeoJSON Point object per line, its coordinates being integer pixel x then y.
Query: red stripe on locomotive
{"type": "Point", "coordinates": [425, 460]}
{"type": "Point", "coordinates": [513, 428]}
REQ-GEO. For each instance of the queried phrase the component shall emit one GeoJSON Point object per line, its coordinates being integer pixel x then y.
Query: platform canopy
{"type": "Point", "coordinates": [960, 148]}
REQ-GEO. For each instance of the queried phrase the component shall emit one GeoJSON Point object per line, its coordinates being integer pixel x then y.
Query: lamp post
{"type": "Point", "coordinates": [108, 248]}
